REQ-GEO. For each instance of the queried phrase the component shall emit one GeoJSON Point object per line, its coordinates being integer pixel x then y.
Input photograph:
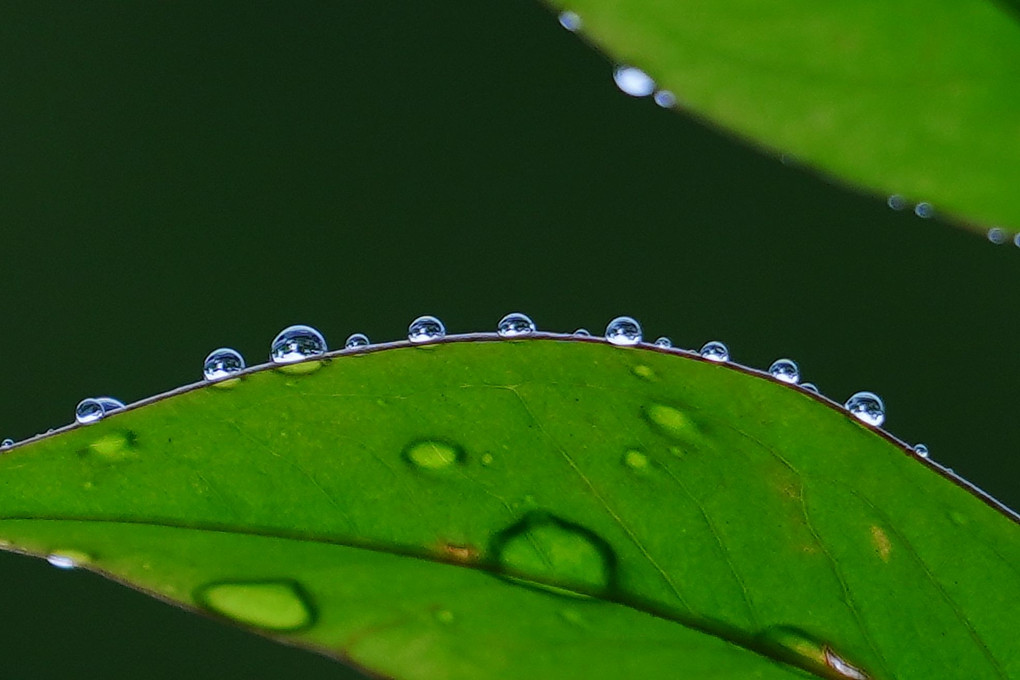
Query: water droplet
{"type": "Point", "coordinates": [570, 20]}
{"type": "Point", "coordinates": [921, 450]}
{"type": "Point", "coordinates": [715, 351]}
{"type": "Point", "coordinates": [633, 81]}
{"type": "Point", "coordinates": [357, 340]}
{"type": "Point", "coordinates": [555, 555]}
{"type": "Point", "coordinates": [804, 650]}
{"type": "Point", "coordinates": [867, 407]}
{"type": "Point", "coordinates": [296, 343]}
{"type": "Point", "coordinates": [432, 455]}
{"type": "Point", "coordinates": [1016, 239]}
{"type": "Point", "coordinates": [663, 342]}
{"type": "Point", "coordinates": [113, 444]}
{"type": "Point", "coordinates": [426, 329]}
{"type": "Point", "coordinates": [222, 363]}
{"type": "Point", "coordinates": [669, 421]}
{"type": "Point", "coordinates": [665, 99]}
{"type": "Point", "coordinates": [643, 372]}
{"type": "Point", "coordinates": [810, 387]}
{"type": "Point", "coordinates": [486, 459]}
{"type": "Point", "coordinates": [94, 409]}
{"type": "Point", "coordinates": [444, 616]}
{"type": "Point", "coordinates": [623, 330]}
{"type": "Point", "coordinates": [897, 202]}
{"type": "Point", "coordinates": [582, 333]}
{"type": "Point", "coordinates": [635, 460]}
{"type": "Point", "coordinates": [997, 235]}
{"type": "Point", "coordinates": [61, 561]}
{"type": "Point", "coordinates": [924, 210]}
{"type": "Point", "coordinates": [7, 443]}
{"type": "Point", "coordinates": [271, 605]}
{"type": "Point", "coordinates": [515, 324]}
{"type": "Point", "coordinates": [785, 370]}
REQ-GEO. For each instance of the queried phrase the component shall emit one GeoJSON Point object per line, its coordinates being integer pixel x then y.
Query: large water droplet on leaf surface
{"type": "Point", "coordinates": [555, 555]}
{"type": "Point", "coordinates": [281, 606]}
{"type": "Point", "coordinates": [296, 343]}
{"type": "Point", "coordinates": [432, 454]}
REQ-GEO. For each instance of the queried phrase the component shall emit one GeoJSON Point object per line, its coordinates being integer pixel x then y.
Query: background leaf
{"type": "Point", "coordinates": [360, 509]}
{"type": "Point", "coordinates": [895, 97]}
{"type": "Point", "coordinates": [187, 176]}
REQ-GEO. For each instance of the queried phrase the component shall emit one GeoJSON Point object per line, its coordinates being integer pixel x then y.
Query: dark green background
{"type": "Point", "coordinates": [178, 176]}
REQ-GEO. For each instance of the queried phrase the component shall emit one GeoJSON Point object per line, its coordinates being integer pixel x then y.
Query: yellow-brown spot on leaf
{"type": "Point", "coordinates": [881, 543]}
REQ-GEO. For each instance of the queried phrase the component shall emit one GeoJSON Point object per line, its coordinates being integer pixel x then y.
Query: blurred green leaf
{"type": "Point", "coordinates": [536, 508]}
{"type": "Point", "coordinates": [911, 98]}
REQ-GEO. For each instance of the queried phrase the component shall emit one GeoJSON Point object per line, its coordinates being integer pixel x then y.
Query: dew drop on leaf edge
{"type": "Point", "coordinates": [570, 20]}
{"type": "Point", "coordinates": [633, 81]}
{"type": "Point", "coordinates": [296, 343]}
{"type": "Point", "coordinates": [785, 370]}
{"type": "Point", "coordinates": [222, 363]}
{"type": "Point", "coordinates": [715, 351]}
{"type": "Point", "coordinates": [426, 329]}
{"type": "Point", "coordinates": [623, 330]}
{"type": "Point", "coordinates": [94, 409]}
{"type": "Point", "coordinates": [866, 407]}
{"type": "Point", "coordinates": [355, 340]}
{"type": "Point", "coordinates": [515, 325]}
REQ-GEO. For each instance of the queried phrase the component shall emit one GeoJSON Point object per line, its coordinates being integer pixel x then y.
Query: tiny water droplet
{"type": "Point", "coordinates": [635, 460]}
{"type": "Point", "coordinates": [94, 409]}
{"type": "Point", "coordinates": [515, 324]}
{"type": "Point", "coordinates": [558, 556]}
{"type": "Point", "coordinates": [444, 616]}
{"type": "Point", "coordinates": [282, 605]}
{"type": "Point", "coordinates": [665, 99]}
{"type": "Point", "coordinates": [7, 443]}
{"type": "Point", "coordinates": [1016, 239]}
{"type": "Point", "coordinates": [715, 351]}
{"type": "Point", "coordinates": [356, 340]}
{"type": "Point", "coordinates": [623, 330]}
{"type": "Point", "coordinates": [222, 363]}
{"type": "Point", "coordinates": [670, 421]}
{"type": "Point", "coordinates": [61, 561]}
{"type": "Point", "coordinates": [785, 370]}
{"type": "Point", "coordinates": [582, 333]}
{"type": "Point", "coordinates": [810, 387]}
{"type": "Point", "coordinates": [997, 235]}
{"type": "Point", "coordinates": [867, 407]}
{"type": "Point", "coordinates": [570, 20]}
{"type": "Point", "coordinates": [897, 202]}
{"type": "Point", "coordinates": [426, 329]}
{"type": "Point", "coordinates": [921, 450]}
{"type": "Point", "coordinates": [486, 459]}
{"type": "Point", "coordinates": [924, 210]}
{"type": "Point", "coordinates": [296, 343]}
{"type": "Point", "coordinates": [663, 342]}
{"type": "Point", "coordinates": [430, 454]}
{"type": "Point", "coordinates": [633, 81]}
{"type": "Point", "coordinates": [643, 372]}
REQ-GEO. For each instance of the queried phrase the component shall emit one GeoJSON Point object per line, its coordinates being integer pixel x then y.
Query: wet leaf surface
{"type": "Point", "coordinates": [534, 508]}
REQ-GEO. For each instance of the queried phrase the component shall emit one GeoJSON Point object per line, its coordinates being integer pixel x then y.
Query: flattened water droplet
{"type": "Point", "coordinates": [222, 363]}
{"type": "Point", "coordinates": [570, 20]}
{"type": "Point", "coordinates": [95, 409]}
{"type": "Point", "coordinates": [431, 454]}
{"type": "Point", "coordinates": [61, 561]}
{"type": "Point", "coordinates": [623, 330]}
{"type": "Point", "coordinates": [281, 605]}
{"type": "Point", "coordinates": [663, 342]}
{"type": "Point", "coordinates": [633, 81]}
{"type": "Point", "coordinates": [515, 324]}
{"type": "Point", "coordinates": [867, 407]}
{"type": "Point", "coordinates": [921, 450]}
{"type": "Point", "coordinates": [552, 554]}
{"type": "Point", "coordinates": [997, 235]}
{"type": "Point", "coordinates": [798, 647]}
{"type": "Point", "coordinates": [785, 370]}
{"type": "Point", "coordinates": [636, 460]}
{"type": "Point", "coordinates": [426, 329]}
{"type": "Point", "coordinates": [810, 387]}
{"type": "Point", "coordinates": [643, 372]}
{"type": "Point", "coordinates": [296, 343]}
{"type": "Point", "coordinates": [715, 351]}
{"type": "Point", "coordinates": [924, 210]}
{"type": "Point", "coordinates": [356, 340]}
{"type": "Point", "coordinates": [582, 332]}
{"type": "Point", "coordinates": [669, 421]}
{"type": "Point", "coordinates": [486, 459]}
{"type": "Point", "coordinates": [665, 99]}
{"type": "Point", "coordinates": [112, 445]}
{"type": "Point", "coordinates": [7, 443]}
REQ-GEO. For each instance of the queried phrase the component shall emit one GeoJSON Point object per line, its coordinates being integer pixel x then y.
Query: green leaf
{"type": "Point", "coordinates": [535, 508]}
{"type": "Point", "coordinates": [906, 97]}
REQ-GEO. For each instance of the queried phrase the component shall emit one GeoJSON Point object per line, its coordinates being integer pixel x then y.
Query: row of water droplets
{"type": "Point", "coordinates": [630, 79]}
{"type": "Point", "coordinates": [299, 343]}
{"type": "Point", "coordinates": [926, 210]}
